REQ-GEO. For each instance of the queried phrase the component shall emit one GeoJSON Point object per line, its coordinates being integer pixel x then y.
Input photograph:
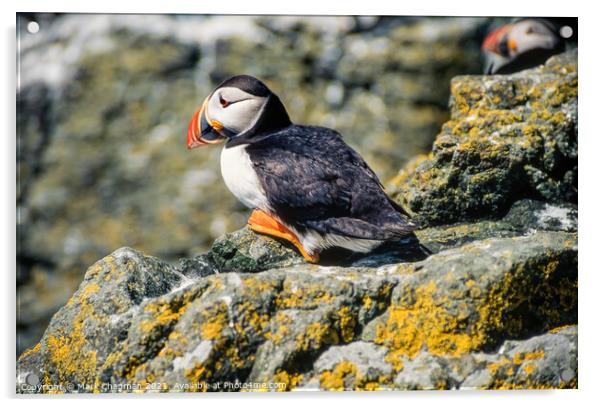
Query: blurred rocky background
{"type": "Point", "coordinates": [104, 102]}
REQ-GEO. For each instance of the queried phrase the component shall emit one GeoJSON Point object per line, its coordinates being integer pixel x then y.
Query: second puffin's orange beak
{"type": "Point", "coordinates": [202, 132]}
{"type": "Point", "coordinates": [493, 39]}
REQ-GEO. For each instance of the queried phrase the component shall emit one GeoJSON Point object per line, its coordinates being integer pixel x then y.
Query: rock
{"type": "Point", "coordinates": [544, 361]}
{"type": "Point", "coordinates": [524, 216]}
{"type": "Point", "coordinates": [540, 362]}
{"type": "Point", "coordinates": [102, 158]}
{"type": "Point", "coordinates": [528, 214]}
{"type": "Point", "coordinates": [510, 137]}
{"type": "Point", "coordinates": [247, 251]}
{"type": "Point", "coordinates": [473, 297]}
{"type": "Point", "coordinates": [359, 365]}
{"type": "Point", "coordinates": [136, 321]}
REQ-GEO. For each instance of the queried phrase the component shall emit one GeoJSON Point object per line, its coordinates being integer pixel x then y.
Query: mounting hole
{"type": "Point", "coordinates": [33, 27]}
{"type": "Point", "coordinates": [566, 32]}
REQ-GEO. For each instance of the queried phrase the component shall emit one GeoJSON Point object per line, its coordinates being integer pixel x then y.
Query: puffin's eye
{"type": "Point", "coordinates": [223, 102]}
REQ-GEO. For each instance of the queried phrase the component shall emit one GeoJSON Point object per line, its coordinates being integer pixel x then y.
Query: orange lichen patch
{"type": "Point", "coordinates": [282, 328]}
{"type": "Point", "coordinates": [88, 290]}
{"type": "Point", "coordinates": [161, 314]}
{"type": "Point", "coordinates": [316, 336]}
{"type": "Point", "coordinates": [254, 286]}
{"type": "Point", "coordinates": [31, 351]}
{"type": "Point", "coordinates": [529, 384]}
{"type": "Point", "coordinates": [289, 380]}
{"type": "Point", "coordinates": [212, 328]}
{"type": "Point", "coordinates": [423, 324]}
{"type": "Point", "coordinates": [169, 351]}
{"type": "Point", "coordinates": [230, 338]}
{"type": "Point", "coordinates": [409, 169]}
{"type": "Point", "coordinates": [200, 373]}
{"type": "Point", "coordinates": [346, 376]}
{"type": "Point", "coordinates": [73, 362]}
{"type": "Point", "coordinates": [253, 321]}
{"type": "Point", "coordinates": [346, 322]}
{"type": "Point", "coordinates": [307, 296]}
{"type": "Point", "coordinates": [494, 367]}
{"type": "Point", "coordinates": [421, 320]}
{"type": "Point", "coordinates": [72, 355]}
{"type": "Point", "coordinates": [367, 302]}
{"type": "Point", "coordinates": [335, 379]}
{"type": "Point", "coordinates": [521, 357]}
{"type": "Point", "coordinates": [560, 328]}
{"type": "Point", "coordinates": [496, 126]}
{"type": "Point", "coordinates": [529, 368]}
{"type": "Point", "coordinates": [507, 373]}
{"type": "Point", "coordinates": [555, 297]}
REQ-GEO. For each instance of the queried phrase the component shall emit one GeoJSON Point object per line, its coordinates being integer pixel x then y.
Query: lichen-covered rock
{"type": "Point", "coordinates": [101, 153]}
{"type": "Point", "coordinates": [358, 365]}
{"type": "Point", "coordinates": [247, 251]}
{"type": "Point", "coordinates": [137, 323]}
{"type": "Point", "coordinates": [536, 215]}
{"type": "Point", "coordinates": [544, 361]}
{"type": "Point", "coordinates": [471, 297]}
{"type": "Point", "coordinates": [509, 137]}
{"type": "Point", "coordinates": [524, 216]}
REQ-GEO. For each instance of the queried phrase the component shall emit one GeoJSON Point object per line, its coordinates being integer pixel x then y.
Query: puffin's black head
{"type": "Point", "coordinates": [240, 108]}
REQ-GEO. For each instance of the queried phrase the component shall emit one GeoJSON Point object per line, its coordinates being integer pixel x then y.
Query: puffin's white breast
{"type": "Point", "coordinates": [241, 179]}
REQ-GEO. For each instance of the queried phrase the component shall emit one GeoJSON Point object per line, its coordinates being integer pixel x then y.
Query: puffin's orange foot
{"type": "Point", "coordinates": [262, 222]}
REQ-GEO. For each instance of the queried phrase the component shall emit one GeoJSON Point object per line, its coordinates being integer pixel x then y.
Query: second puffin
{"type": "Point", "coordinates": [303, 183]}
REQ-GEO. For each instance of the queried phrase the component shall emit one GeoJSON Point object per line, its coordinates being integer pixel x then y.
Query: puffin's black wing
{"type": "Point", "coordinates": [313, 180]}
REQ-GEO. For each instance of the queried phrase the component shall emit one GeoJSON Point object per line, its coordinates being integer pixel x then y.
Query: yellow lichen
{"type": "Point", "coordinates": [212, 328]}
{"type": "Point", "coordinates": [31, 351]}
{"type": "Point", "coordinates": [346, 376]}
{"type": "Point", "coordinates": [423, 324]}
{"type": "Point", "coordinates": [346, 322]}
{"type": "Point", "coordinates": [161, 314]}
{"type": "Point", "coordinates": [315, 336]}
{"type": "Point", "coordinates": [70, 352]}
{"type": "Point", "coordinates": [290, 380]}
{"type": "Point", "coordinates": [308, 296]}
{"type": "Point", "coordinates": [529, 368]}
{"type": "Point", "coordinates": [282, 322]}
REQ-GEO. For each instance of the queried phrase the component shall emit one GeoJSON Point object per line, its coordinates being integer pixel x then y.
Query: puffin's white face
{"type": "Point", "coordinates": [240, 108]}
{"type": "Point", "coordinates": [233, 109]}
{"type": "Point", "coordinates": [528, 35]}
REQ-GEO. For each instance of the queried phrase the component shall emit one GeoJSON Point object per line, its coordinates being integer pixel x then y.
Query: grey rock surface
{"type": "Point", "coordinates": [306, 325]}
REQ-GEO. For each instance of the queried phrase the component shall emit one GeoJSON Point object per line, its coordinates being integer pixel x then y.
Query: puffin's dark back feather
{"type": "Point", "coordinates": [314, 180]}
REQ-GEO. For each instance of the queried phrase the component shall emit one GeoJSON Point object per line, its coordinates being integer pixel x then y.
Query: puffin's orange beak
{"type": "Point", "coordinates": [512, 45]}
{"type": "Point", "coordinates": [494, 38]}
{"type": "Point", "coordinates": [194, 131]}
{"type": "Point", "coordinates": [202, 132]}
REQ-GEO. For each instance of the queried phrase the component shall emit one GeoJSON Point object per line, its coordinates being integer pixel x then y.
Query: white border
{"type": "Point", "coordinates": [590, 148]}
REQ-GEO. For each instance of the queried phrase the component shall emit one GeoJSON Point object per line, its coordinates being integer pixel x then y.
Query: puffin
{"type": "Point", "coordinates": [523, 44]}
{"type": "Point", "coordinates": [303, 183]}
